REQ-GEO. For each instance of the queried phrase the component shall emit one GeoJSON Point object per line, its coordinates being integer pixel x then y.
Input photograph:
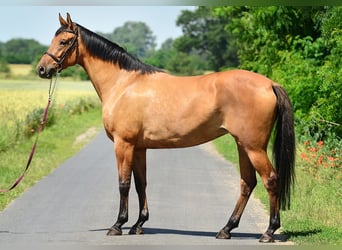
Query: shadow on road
{"type": "Point", "coordinates": [149, 230]}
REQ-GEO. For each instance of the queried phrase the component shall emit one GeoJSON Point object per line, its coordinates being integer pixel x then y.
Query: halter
{"type": "Point", "coordinates": [73, 44]}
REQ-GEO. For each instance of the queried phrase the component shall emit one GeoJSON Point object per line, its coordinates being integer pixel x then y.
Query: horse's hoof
{"type": "Point", "coordinates": [266, 238]}
{"type": "Point", "coordinates": [223, 235]}
{"type": "Point", "coordinates": [114, 231]}
{"type": "Point", "coordinates": [136, 230]}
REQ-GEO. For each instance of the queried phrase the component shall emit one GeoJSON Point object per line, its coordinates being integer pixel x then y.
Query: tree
{"type": "Point", "coordinates": [181, 63]}
{"type": "Point", "coordinates": [137, 37]}
{"type": "Point", "coordinates": [330, 96]}
{"type": "Point", "coordinates": [161, 57]}
{"type": "Point", "coordinates": [22, 51]}
{"type": "Point", "coordinates": [177, 62]}
{"type": "Point", "coordinates": [260, 32]}
{"type": "Point", "coordinates": [204, 33]}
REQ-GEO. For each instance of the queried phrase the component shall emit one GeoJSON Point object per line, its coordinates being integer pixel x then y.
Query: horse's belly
{"type": "Point", "coordinates": [177, 136]}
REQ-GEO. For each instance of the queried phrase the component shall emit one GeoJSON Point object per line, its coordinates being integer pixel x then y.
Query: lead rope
{"type": "Point", "coordinates": [52, 88]}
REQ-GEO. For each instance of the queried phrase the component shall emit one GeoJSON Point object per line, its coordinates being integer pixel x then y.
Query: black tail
{"type": "Point", "coordinates": [284, 146]}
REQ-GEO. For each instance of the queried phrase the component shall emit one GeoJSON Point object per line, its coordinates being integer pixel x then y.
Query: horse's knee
{"type": "Point", "coordinates": [124, 187]}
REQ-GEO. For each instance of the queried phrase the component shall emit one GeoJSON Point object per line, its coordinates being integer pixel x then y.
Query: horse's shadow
{"type": "Point", "coordinates": [152, 231]}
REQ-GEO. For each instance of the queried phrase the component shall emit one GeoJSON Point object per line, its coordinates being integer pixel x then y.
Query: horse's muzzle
{"type": "Point", "coordinates": [46, 72]}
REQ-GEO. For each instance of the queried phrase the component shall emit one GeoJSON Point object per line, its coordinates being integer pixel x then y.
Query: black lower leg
{"type": "Point", "coordinates": [268, 236]}
{"type": "Point", "coordinates": [123, 212]}
{"type": "Point", "coordinates": [224, 233]}
{"type": "Point", "coordinates": [137, 227]}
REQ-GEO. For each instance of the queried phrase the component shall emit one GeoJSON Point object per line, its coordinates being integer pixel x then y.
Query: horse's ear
{"type": "Point", "coordinates": [62, 21]}
{"type": "Point", "coordinates": [71, 25]}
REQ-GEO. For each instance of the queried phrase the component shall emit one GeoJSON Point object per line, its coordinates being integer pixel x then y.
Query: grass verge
{"type": "Point", "coordinates": [315, 216]}
{"type": "Point", "coordinates": [56, 144]}
{"type": "Point", "coordinates": [74, 110]}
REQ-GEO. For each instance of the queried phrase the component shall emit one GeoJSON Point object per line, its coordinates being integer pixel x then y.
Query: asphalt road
{"type": "Point", "coordinates": [191, 193]}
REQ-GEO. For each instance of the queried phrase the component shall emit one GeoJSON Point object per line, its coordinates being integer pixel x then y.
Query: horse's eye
{"type": "Point", "coordinates": [63, 42]}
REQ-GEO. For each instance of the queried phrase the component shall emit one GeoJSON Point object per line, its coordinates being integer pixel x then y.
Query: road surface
{"type": "Point", "coordinates": [191, 193]}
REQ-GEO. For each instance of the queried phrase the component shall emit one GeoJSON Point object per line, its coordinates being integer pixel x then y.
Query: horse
{"type": "Point", "coordinates": [144, 108]}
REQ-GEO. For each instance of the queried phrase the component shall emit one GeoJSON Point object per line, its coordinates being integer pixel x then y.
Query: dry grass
{"type": "Point", "coordinates": [20, 97]}
{"type": "Point", "coordinates": [20, 69]}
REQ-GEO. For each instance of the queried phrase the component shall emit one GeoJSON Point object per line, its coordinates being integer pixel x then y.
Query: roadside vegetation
{"type": "Point", "coordinates": [75, 110]}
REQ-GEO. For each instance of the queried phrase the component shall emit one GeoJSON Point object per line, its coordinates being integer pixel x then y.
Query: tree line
{"type": "Point", "coordinates": [21, 51]}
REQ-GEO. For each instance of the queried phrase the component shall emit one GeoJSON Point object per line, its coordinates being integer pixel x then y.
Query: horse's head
{"type": "Point", "coordinates": [63, 51]}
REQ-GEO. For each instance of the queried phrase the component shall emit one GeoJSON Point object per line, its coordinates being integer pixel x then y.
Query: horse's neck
{"type": "Point", "coordinates": [103, 75]}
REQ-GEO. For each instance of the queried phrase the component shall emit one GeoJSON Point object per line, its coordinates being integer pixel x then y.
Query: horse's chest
{"type": "Point", "coordinates": [120, 119]}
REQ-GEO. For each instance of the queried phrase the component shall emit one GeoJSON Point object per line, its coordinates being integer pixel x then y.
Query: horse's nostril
{"type": "Point", "coordinates": [45, 71]}
{"type": "Point", "coordinates": [41, 70]}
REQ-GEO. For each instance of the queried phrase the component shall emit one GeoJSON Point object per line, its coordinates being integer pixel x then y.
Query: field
{"type": "Point", "coordinates": [20, 97]}
{"type": "Point", "coordinates": [75, 109]}
{"type": "Point", "coordinates": [20, 70]}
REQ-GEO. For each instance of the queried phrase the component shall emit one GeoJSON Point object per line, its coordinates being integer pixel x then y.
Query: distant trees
{"type": "Point", "coordinates": [204, 45]}
{"type": "Point", "coordinates": [204, 35]}
{"type": "Point", "coordinates": [21, 51]}
{"type": "Point", "coordinates": [136, 37]}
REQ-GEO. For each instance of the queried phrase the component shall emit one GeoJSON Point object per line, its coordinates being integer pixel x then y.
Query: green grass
{"type": "Point", "coordinates": [56, 144]}
{"type": "Point", "coordinates": [315, 215]}
{"type": "Point", "coordinates": [226, 146]}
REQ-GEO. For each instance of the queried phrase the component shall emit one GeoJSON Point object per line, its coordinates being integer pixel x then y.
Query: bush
{"type": "Point", "coordinates": [4, 68]}
{"type": "Point", "coordinates": [9, 129]}
{"type": "Point", "coordinates": [33, 120]}
{"type": "Point", "coordinates": [80, 106]}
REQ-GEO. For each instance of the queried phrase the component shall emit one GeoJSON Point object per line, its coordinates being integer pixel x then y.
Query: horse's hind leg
{"type": "Point", "coordinates": [247, 184]}
{"type": "Point", "coordinates": [139, 172]}
{"type": "Point", "coordinates": [270, 179]}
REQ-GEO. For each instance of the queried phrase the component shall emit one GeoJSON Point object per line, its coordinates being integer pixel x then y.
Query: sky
{"type": "Point", "coordinates": [41, 22]}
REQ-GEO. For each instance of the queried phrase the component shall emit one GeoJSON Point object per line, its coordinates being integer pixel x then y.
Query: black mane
{"type": "Point", "coordinates": [111, 52]}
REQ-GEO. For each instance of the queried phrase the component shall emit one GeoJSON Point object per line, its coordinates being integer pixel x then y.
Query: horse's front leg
{"type": "Point", "coordinates": [139, 172]}
{"type": "Point", "coordinates": [124, 156]}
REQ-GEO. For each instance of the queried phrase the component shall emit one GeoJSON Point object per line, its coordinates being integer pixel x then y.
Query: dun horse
{"type": "Point", "coordinates": [144, 107]}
